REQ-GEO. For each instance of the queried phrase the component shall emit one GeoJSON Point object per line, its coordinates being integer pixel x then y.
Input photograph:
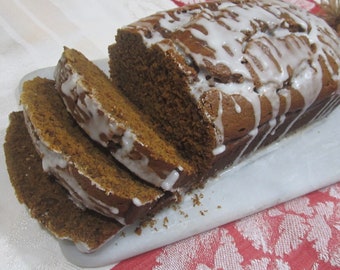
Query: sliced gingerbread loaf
{"type": "Point", "coordinates": [47, 201]}
{"type": "Point", "coordinates": [223, 78]}
{"type": "Point", "coordinates": [89, 173]}
{"type": "Point", "coordinates": [109, 118]}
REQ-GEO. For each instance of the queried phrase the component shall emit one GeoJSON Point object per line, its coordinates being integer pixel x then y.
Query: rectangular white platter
{"type": "Point", "coordinates": [303, 162]}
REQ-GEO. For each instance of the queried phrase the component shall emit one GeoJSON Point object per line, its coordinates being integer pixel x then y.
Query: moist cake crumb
{"type": "Point", "coordinates": [165, 222]}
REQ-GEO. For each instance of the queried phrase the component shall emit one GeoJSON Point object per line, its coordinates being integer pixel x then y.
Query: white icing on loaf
{"type": "Point", "coordinates": [272, 46]}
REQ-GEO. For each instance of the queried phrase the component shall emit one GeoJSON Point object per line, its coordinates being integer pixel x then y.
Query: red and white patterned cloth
{"type": "Point", "coordinates": [301, 234]}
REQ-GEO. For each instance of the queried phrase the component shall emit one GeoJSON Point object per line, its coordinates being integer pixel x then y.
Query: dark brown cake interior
{"type": "Point", "coordinates": [157, 86]}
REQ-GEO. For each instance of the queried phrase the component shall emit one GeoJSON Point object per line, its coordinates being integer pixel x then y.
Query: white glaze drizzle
{"type": "Point", "coordinates": [170, 180]}
{"type": "Point", "coordinates": [272, 125]}
{"type": "Point", "coordinates": [252, 134]}
{"type": "Point", "coordinates": [237, 107]}
{"type": "Point", "coordinates": [219, 149]}
{"type": "Point", "coordinates": [137, 202]}
{"type": "Point", "coordinates": [218, 120]}
{"type": "Point", "coordinates": [220, 129]}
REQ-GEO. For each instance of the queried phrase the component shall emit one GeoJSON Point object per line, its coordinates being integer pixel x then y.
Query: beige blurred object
{"type": "Point", "coordinates": [331, 13]}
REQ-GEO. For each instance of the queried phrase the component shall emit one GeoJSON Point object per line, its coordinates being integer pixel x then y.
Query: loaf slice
{"type": "Point", "coordinates": [47, 201]}
{"type": "Point", "coordinates": [112, 120]}
{"type": "Point", "coordinates": [89, 173]}
{"type": "Point", "coordinates": [223, 78]}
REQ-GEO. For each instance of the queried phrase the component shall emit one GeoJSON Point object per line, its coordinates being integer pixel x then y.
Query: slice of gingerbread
{"type": "Point", "coordinates": [109, 118]}
{"type": "Point", "coordinates": [91, 175]}
{"type": "Point", "coordinates": [47, 201]}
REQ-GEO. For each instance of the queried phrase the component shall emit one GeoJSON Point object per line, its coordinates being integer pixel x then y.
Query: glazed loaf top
{"type": "Point", "coordinates": [247, 62]}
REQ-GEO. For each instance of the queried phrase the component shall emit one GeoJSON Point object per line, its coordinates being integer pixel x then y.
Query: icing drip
{"type": "Point", "coordinates": [281, 121]}
{"type": "Point", "coordinates": [219, 149]}
{"type": "Point", "coordinates": [128, 140]}
{"type": "Point", "coordinates": [137, 202]}
{"type": "Point", "coordinates": [219, 126]}
{"type": "Point", "coordinates": [238, 108]}
{"type": "Point", "coordinates": [272, 124]}
{"type": "Point", "coordinates": [252, 135]}
{"type": "Point", "coordinates": [218, 121]}
{"type": "Point", "coordinates": [171, 179]}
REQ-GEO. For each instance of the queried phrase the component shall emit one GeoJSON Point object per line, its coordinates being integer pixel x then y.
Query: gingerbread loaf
{"type": "Point", "coordinates": [224, 78]}
{"type": "Point", "coordinates": [91, 175]}
{"type": "Point", "coordinates": [192, 91]}
{"type": "Point", "coordinates": [110, 119]}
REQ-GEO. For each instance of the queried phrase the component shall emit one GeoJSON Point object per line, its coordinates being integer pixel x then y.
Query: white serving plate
{"type": "Point", "coordinates": [299, 164]}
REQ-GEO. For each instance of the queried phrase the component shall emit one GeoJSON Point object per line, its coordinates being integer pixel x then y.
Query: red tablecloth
{"type": "Point", "coordinates": [301, 234]}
